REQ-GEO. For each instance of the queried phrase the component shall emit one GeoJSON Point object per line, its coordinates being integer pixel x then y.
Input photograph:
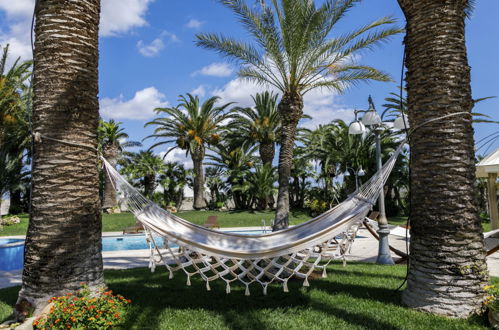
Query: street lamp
{"type": "Point", "coordinates": [373, 120]}
{"type": "Point", "coordinates": [358, 173]}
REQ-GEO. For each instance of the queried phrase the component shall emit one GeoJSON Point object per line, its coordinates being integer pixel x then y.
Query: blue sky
{"type": "Point", "coordinates": [148, 57]}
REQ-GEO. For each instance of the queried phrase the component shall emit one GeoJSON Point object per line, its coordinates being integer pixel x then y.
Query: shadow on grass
{"type": "Point", "coordinates": [360, 296]}
{"type": "Point", "coordinates": [153, 296]}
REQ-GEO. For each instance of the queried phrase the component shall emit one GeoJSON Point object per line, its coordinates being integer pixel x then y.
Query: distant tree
{"type": "Point", "coordinates": [261, 184]}
{"type": "Point", "coordinates": [192, 127]}
{"type": "Point", "coordinates": [173, 179]}
{"type": "Point", "coordinates": [259, 124]}
{"type": "Point", "coordinates": [112, 142]}
{"type": "Point", "coordinates": [144, 167]}
{"type": "Point", "coordinates": [292, 50]}
{"type": "Point", "coordinates": [15, 137]}
{"type": "Point", "coordinates": [235, 161]}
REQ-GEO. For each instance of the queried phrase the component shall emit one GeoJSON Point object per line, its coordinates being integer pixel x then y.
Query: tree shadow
{"type": "Point", "coordinates": [154, 294]}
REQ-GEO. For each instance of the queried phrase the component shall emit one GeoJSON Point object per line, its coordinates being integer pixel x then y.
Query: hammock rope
{"type": "Point", "coordinates": [264, 259]}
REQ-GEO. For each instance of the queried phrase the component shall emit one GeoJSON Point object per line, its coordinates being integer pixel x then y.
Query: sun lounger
{"type": "Point", "coordinates": [211, 222]}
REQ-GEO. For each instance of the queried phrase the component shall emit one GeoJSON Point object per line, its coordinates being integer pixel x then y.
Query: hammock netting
{"type": "Point", "coordinates": [268, 258]}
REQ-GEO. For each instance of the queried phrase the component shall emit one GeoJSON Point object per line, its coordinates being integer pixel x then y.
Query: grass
{"type": "Point", "coordinates": [360, 296]}
{"type": "Point", "coordinates": [116, 222]}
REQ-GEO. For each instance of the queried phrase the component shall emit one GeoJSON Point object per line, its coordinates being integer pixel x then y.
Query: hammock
{"type": "Point", "coordinates": [264, 259]}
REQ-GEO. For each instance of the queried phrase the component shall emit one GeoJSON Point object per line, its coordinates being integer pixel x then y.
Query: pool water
{"type": "Point", "coordinates": [12, 251]}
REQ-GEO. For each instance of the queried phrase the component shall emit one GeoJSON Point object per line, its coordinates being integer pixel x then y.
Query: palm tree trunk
{"type": "Point", "coordinates": [199, 202]}
{"type": "Point", "coordinates": [149, 185]}
{"type": "Point", "coordinates": [63, 243]}
{"type": "Point", "coordinates": [447, 263]}
{"type": "Point", "coordinates": [290, 109]}
{"type": "Point", "coordinates": [109, 199]}
{"type": "Point", "coordinates": [267, 152]}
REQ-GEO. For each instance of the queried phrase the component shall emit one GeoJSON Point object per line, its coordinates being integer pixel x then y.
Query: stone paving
{"type": "Point", "coordinates": [364, 249]}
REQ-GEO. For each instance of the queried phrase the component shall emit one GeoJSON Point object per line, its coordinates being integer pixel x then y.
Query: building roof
{"type": "Point", "coordinates": [490, 164]}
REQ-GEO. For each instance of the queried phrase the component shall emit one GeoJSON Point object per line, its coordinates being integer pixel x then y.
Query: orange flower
{"type": "Point", "coordinates": [73, 319]}
{"type": "Point", "coordinates": [58, 320]}
{"type": "Point", "coordinates": [128, 301]}
{"type": "Point", "coordinates": [117, 315]}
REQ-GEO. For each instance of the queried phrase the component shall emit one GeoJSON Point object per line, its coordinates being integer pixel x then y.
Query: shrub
{"type": "Point", "coordinates": [10, 220]}
{"type": "Point", "coordinates": [492, 300]}
{"type": "Point", "coordinates": [84, 310]}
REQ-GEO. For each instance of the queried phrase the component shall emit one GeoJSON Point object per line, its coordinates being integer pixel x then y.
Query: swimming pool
{"type": "Point", "coordinates": [12, 250]}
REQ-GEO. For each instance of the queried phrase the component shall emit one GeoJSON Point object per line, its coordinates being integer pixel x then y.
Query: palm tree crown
{"type": "Point", "coordinates": [189, 125]}
{"type": "Point", "coordinates": [260, 124]}
{"type": "Point", "coordinates": [294, 51]}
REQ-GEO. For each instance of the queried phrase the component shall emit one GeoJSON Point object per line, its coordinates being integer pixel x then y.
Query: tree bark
{"type": "Point", "coordinates": [197, 159]}
{"type": "Point", "coordinates": [63, 243]}
{"type": "Point", "coordinates": [109, 199]}
{"type": "Point", "coordinates": [267, 152]}
{"type": "Point", "coordinates": [447, 255]}
{"type": "Point", "coordinates": [290, 109]}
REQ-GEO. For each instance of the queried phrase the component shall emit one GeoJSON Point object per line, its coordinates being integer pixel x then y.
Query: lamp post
{"type": "Point", "coordinates": [373, 120]}
{"type": "Point", "coordinates": [358, 173]}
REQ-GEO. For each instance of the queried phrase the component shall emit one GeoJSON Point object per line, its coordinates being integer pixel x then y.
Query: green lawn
{"type": "Point", "coordinates": [116, 222]}
{"type": "Point", "coordinates": [360, 296]}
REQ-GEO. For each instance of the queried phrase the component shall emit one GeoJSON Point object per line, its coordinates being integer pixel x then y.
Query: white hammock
{"type": "Point", "coordinates": [278, 256]}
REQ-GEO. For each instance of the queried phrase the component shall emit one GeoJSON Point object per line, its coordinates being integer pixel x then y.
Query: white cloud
{"type": "Point", "coordinates": [157, 45]}
{"type": "Point", "coordinates": [199, 91]}
{"type": "Point", "coordinates": [194, 23]}
{"type": "Point", "coordinates": [17, 8]}
{"type": "Point", "coordinates": [177, 155]}
{"type": "Point", "coordinates": [140, 107]}
{"type": "Point", "coordinates": [151, 49]}
{"type": "Point", "coordinates": [216, 70]}
{"type": "Point", "coordinates": [117, 17]}
{"type": "Point", "coordinates": [120, 16]}
{"type": "Point", "coordinates": [321, 105]}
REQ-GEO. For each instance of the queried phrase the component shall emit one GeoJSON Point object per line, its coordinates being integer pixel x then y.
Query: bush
{"type": "Point", "coordinates": [84, 310]}
{"type": "Point", "coordinates": [10, 220]}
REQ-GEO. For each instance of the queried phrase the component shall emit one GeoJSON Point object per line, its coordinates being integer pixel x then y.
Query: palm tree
{"type": "Point", "coordinates": [112, 142]}
{"type": "Point", "coordinates": [192, 127]}
{"type": "Point", "coordinates": [63, 242]}
{"type": "Point", "coordinates": [236, 161]}
{"type": "Point", "coordinates": [173, 179]}
{"type": "Point", "coordinates": [447, 252]}
{"type": "Point", "coordinates": [10, 174]}
{"type": "Point", "coordinates": [261, 184]}
{"type": "Point", "coordinates": [260, 124]}
{"type": "Point", "coordinates": [15, 135]}
{"type": "Point", "coordinates": [144, 167]}
{"type": "Point", "coordinates": [293, 51]}
{"type": "Point", "coordinates": [216, 184]}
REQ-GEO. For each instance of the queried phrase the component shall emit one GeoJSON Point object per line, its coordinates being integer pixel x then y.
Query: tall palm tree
{"type": "Point", "coordinates": [447, 252]}
{"type": "Point", "coordinates": [293, 51]}
{"type": "Point", "coordinates": [260, 124]}
{"type": "Point", "coordinates": [63, 242]}
{"type": "Point", "coordinates": [192, 127]}
{"type": "Point", "coordinates": [112, 142]}
{"type": "Point", "coordinates": [145, 168]}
